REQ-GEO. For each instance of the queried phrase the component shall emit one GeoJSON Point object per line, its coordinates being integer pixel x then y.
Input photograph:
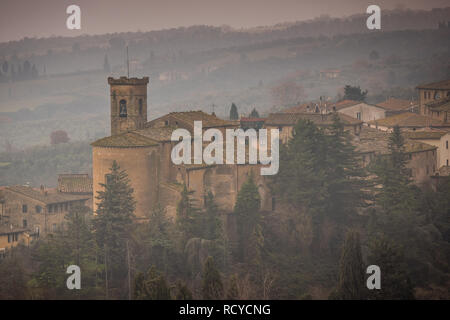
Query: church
{"type": "Point", "coordinates": [143, 148]}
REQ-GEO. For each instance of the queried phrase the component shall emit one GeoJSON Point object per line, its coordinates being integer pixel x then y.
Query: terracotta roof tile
{"type": "Point", "coordinates": [346, 103]}
{"type": "Point", "coordinates": [409, 119]}
{"type": "Point", "coordinates": [394, 104]}
{"type": "Point", "coordinates": [425, 134]}
{"type": "Point", "coordinates": [440, 85]}
{"type": "Point", "coordinates": [319, 119]}
{"type": "Point", "coordinates": [74, 183]}
{"type": "Point", "coordinates": [125, 140]}
{"type": "Point", "coordinates": [373, 140]}
{"type": "Point", "coordinates": [46, 198]}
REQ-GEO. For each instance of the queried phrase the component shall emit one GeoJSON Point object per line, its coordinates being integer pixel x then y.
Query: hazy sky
{"type": "Point", "coordinates": [20, 18]}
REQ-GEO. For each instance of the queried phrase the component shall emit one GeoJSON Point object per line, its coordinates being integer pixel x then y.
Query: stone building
{"type": "Point", "coordinates": [394, 106]}
{"type": "Point", "coordinates": [360, 110]}
{"type": "Point", "coordinates": [434, 100]}
{"type": "Point", "coordinates": [409, 121]}
{"type": "Point", "coordinates": [144, 148]}
{"type": "Point", "coordinates": [11, 236]}
{"type": "Point", "coordinates": [285, 122]}
{"type": "Point", "coordinates": [438, 138]}
{"type": "Point", "coordinates": [422, 157]}
{"type": "Point", "coordinates": [39, 211]}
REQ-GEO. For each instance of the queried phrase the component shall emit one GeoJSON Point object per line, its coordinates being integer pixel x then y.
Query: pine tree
{"type": "Point", "coordinates": [113, 222]}
{"type": "Point", "coordinates": [319, 178]}
{"type": "Point", "coordinates": [247, 214]}
{"type": "Point", "coordinates": [187, 219]}
{"type": "Point", "coordinates": [397, 198]}
{"type": "Point", "coordinates": [154, 240]}
{"type": "Point", "coordinates": [354, 93]}
{"type": "Point", "coordinates": [254, 113]}
{"type": "Point", "coordinates": [351, 284]}
{"type": "Point", "coordinates": [12, 280]}
{"type": "Point", "coordinates": [395, 282]}
{"type": "Point", "coordinates": [212, 288]}
{"type": "Point", "coordinates": [213, 224]}
{"type": "Point", "coordinates": [151, 286]}
{"type": "Point", "coordinates": [234, 115]}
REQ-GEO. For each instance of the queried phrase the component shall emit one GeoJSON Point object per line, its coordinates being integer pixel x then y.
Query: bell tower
{"type": "Point", "coordinates": [128, 104]}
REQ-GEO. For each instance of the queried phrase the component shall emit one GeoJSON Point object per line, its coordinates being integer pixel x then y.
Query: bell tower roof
{"type": "Point", "coordinates": [127, 81]}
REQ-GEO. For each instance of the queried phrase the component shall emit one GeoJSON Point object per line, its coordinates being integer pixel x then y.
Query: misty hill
{"type": "Point", "coordinates": [198, 67]}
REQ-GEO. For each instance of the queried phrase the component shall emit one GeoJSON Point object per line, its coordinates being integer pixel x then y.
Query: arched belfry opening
{"type": "Point", "coordinates": [123, 108]}
{"type": "Point", "coordinates": [128, 104]}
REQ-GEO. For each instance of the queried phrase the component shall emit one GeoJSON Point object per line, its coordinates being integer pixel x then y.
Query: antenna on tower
{"type": "Point", "coordinates": [128, 64]}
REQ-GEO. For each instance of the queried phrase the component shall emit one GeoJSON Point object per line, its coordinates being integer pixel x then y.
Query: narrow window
{"type": "Point", "coordinates": [24, 222]}
{"type": "Point", "coordinates": [38, 209]}
{"type": "Point", "coordinates": [446, 144]}
{"type": "Point", "coordinates": [140, 107]}
{"type": "Point", "coordinates": [24, 208]}
{"type": "Point", "coordinates": [122, 109]}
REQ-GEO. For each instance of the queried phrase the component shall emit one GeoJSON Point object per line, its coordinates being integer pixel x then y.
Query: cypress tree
{"type": "Point", "coordinates": [232, 290]}
{"type": "Point", "coordinates": [187, 219]}
{"type": "Point", "coordinates": [351, 272]}
{"type": "Point", "coordinates": [213, 224]}
{"type": "Point", "coordinates": [234, 115]}
{"type": "Point", "coordinates": [247, 213]}
{"type": "Point", "coordinates": [212, 288]}
{"type": "Point", "coordinates": [254, 113]}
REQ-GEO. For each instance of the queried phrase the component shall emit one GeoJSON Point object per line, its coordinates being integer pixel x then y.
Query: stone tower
{"type": "Point", "coordinates": [128, 104]}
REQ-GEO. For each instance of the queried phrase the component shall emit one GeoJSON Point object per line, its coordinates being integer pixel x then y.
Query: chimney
{"type": "Point", "coordinates": [42, 189]}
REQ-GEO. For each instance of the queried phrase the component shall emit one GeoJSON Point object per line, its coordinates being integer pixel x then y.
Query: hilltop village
{"type": "Point", "coordinates": [345, 165]}
{"type": "Point", "coordinates": [143, 149]}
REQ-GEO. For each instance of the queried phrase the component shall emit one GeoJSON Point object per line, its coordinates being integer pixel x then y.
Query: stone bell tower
{"type": "Point", "coordinates": [128, 104]}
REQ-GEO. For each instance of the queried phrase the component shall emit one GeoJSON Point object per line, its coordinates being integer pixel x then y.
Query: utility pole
{"type": "Point", "coordinates": [129, 276]}
{"type": "Point", "coordinates": [106, 276]}
{"type": "Point", "coordinates": [128, 64]}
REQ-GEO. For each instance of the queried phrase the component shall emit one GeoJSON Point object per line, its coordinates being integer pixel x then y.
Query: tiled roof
{"type": "Point", "coordinates": [425, 134]}
{"type": "Point", "coordinates": [300, 108]}
{"type": "Point", "coordinates": [159, 134]}
{"type": "Point", "coordinates": [252, 119]}
{"type": "Point", "coordinates": [394, 104]}
{"type": "Point", "coordinates": [409, 119]}
{"type": "Point", "coordinates": [188, 118]}
{"type": "Point", "coordinates": [346, 103]}
{"type": "Point", "coordinates": [440, 85]}
{"type": "Point", "coordinates": [45, 197]}
{"type": "Point", "coordinates": [442, 105]}
{"type": "Point", "coordinates": [373, 140]}
{"type": "Point", "coordinates": [74, 183]}
{"type": "Point", "coordinates": [319, 119]}
{"type": "Point", "coordinates": [125, 140]}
